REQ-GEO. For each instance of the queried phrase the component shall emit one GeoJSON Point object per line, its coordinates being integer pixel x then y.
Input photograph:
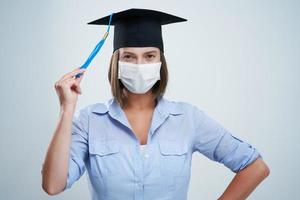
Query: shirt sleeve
{"type": "Point", "coordinates": [78, 148]}
{"type": "Point", "coordinates": [218, 144]}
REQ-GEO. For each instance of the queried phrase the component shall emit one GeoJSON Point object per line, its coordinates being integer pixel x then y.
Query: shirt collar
{"type": "Point", "coordinates": [162, 110]}
{"type": "Point", "coordinates": [164, 106]}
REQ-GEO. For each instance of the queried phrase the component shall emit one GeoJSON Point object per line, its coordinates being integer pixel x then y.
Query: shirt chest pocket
{"type": "Point", "coordinates": [104, 158]}
{"type": "Point", "coordinates": [173, 157]}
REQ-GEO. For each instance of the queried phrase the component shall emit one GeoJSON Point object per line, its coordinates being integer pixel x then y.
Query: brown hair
{"type": "Point", "coordinates": [118, 89]}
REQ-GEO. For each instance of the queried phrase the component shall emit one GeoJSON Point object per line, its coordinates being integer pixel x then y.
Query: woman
{"type": "Point", "coordinates": [139, 145]}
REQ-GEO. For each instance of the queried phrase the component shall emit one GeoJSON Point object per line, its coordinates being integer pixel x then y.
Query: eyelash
{"type": "Point", "coordinates": [150, 56]}
{"type": "Point", "coordinates": [129, 56]}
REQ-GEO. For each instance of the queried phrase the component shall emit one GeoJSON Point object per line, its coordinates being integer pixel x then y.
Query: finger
{"type": "Point", "coordinates": [72, 77]}
{"type": "Point", "coordinates": [77, 84]}
{"type": "Point", "coordinates": [72, 73]}
{"type": "Point", "coordinates": [79, 75]}
{"type": "Point", "coordinates": [78, 89]}
{"type": "Point", "coordinates": [60, 83]}
{"type": "Point", "coordinates": [56, 84]}
{"type": "Point", "coordinates": [68, 83]}
{"type": "Point", "coordinates": [80, 78]}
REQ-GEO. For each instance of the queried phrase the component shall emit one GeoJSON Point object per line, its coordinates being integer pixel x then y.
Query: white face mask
{"type": "Point", "coordinates": [139, 78]}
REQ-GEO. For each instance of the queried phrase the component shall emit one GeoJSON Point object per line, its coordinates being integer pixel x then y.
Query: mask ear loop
{"type": "Point", "coordinates": [96, 49]}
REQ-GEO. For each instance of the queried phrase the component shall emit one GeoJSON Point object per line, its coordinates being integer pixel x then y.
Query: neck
{"type": "Point", "coordinates": [140, 101]}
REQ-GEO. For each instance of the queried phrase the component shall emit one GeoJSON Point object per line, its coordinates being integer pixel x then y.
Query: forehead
{"type": "Point", "coordinates": [138, 50]}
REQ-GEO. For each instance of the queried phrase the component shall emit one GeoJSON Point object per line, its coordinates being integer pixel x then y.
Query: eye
{"type": "Point", "coordinates": [127, 57]}
{"type": "Point", "coordinates": [150, 56]}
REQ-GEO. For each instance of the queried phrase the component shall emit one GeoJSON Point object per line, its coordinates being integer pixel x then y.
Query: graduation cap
{"type": "Point", "coordinates": [134, 28]}
{"type": "Point", "coordinates": [138, 27]}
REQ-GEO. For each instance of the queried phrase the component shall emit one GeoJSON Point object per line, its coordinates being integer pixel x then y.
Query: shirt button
{"type": "Point", "coordinates": [146, 156]}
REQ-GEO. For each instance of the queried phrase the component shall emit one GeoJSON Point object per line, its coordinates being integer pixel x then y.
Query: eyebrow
{"type": "Point", "coordinates": [153, 51]}
{"type": "Point", "coordinates": [127, 52]}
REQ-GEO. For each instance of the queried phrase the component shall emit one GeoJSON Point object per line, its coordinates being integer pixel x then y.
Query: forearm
{"type": "Point", "coordinates": [245, 181]}
{"type": "Point", "coordinates": [55, 166]}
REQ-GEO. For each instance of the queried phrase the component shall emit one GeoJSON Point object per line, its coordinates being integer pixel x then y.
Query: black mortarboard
{"type": "Point", "coordinates": [138, 27]}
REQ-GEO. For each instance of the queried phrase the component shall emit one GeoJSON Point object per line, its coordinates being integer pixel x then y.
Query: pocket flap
{"type": "Point", "coordinates": [105, 147]}
{"type": "Point", "coordinates": [168, 147]}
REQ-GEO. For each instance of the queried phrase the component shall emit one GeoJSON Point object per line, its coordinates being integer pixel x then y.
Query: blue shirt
{"type": "Point", "coordinates": [104, 145]}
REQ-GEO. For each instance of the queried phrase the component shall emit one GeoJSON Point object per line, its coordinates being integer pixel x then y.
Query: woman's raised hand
{"type": "Point", "coordinates": [68, 88]}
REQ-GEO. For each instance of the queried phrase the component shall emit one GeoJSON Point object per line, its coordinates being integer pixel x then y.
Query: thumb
{"type": "Point", "coordinates": [77, 88]}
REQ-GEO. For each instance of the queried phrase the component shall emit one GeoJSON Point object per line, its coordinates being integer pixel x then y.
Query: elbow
{"type": "Point", "coordinates": [259, 168]}
{"type": "Point", "coordinates": [263, 168]}
{"type": "Point", "coordinates": [50, 186]}
{"type": "Point", "coordinates": [266, 171]}
{"type": "Point", "coordinates": [50, 189]}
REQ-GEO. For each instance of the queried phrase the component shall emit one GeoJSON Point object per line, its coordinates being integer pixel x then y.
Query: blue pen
{"type": "Point", "coordinates": [96, 49]}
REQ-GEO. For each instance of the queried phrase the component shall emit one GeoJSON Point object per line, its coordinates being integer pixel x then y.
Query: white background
{"type": "Point", "coordinates": [236, 60]}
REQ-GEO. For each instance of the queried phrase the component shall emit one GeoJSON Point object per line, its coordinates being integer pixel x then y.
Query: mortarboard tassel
{"type": "Point", "coordinates": [96, 49]}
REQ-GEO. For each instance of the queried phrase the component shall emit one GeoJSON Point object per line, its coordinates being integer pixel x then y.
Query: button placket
{"type": "Point", "coordinates": [146, 155]}
{"type": "Point", "coordinates": [138, 173]}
